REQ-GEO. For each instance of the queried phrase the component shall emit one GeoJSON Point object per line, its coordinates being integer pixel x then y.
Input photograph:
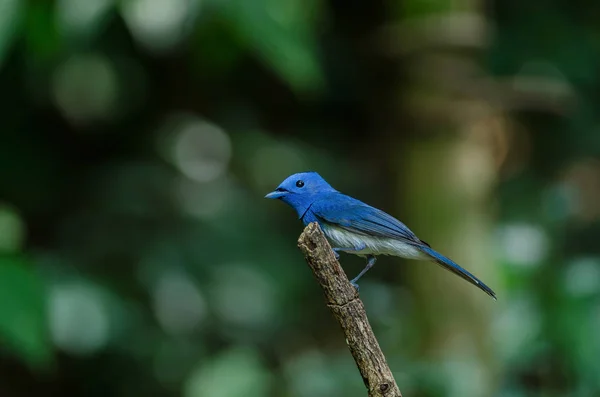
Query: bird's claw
{"type": "Point", "coordinates": [337, 256]}
{"type": "Point", "coordinates": [355, 285]}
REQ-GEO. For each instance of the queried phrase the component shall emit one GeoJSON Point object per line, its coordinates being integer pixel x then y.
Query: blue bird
{"type": "Point", "coordinates": [354, 227]}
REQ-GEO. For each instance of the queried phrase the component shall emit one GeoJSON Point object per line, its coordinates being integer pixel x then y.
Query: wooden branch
{"type": "Point", "coordinates": [349, 311]}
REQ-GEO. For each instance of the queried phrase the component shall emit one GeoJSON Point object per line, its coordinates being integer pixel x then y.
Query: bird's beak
{"type": "Point", "coordinates": [275, 195]}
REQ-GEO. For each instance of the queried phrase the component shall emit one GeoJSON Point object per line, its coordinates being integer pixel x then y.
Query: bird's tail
{"type": "Point", "coordinates": [456, 269]}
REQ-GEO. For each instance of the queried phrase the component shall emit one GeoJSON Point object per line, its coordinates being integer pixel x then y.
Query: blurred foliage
{"type": "Point", "coordinates": [22, 315]}
{"type": "Point", "coordinates": [137, 256]}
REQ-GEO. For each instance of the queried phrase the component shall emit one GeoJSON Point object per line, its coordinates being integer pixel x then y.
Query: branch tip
{"type": "Point", "coordinates": [347, 308]}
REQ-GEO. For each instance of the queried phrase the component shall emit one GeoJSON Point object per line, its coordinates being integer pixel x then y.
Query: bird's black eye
{"type": "Point", "coordinates": [300, 184]}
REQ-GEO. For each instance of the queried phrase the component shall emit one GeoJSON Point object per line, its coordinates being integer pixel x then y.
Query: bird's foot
{"type": "Point", "coordinates": [336, 254]}
{"type": "Point", "coordinates": [355, 285]}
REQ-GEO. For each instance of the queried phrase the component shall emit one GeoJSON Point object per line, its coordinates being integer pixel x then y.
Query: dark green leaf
{"type": "Point", "coordinates": [23, 327]}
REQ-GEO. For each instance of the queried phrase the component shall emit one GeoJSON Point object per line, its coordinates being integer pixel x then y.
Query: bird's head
{"type": "Point", "coordinates": [300, 190]}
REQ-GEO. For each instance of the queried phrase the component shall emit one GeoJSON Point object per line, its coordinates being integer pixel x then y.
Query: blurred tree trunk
{"type": "Point", "coordinates": [446, 174]}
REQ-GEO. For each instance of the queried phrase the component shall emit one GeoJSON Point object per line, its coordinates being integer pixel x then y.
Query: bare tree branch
{"type": "Point", "coordinates": [349, 311]}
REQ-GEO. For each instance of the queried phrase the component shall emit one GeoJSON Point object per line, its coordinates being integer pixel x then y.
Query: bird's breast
{"type": "Point", "coordinates": [374, 245]}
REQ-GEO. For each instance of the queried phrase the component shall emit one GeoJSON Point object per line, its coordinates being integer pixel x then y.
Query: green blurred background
{"type": "Point", "coordinates": [138, 138]}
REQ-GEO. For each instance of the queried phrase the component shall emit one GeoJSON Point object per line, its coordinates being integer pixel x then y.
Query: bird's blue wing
{"type": "Point", "coordinates": [358, 217]}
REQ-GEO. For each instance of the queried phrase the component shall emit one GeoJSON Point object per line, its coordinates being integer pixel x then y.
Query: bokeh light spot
{"type": "Point", "coordinates": [463, 375]}
{"type": "Point", "coordinates": [204, 200]}
{"type": "Point", "coordinates": [201, 150]}
{"type": "Point", "coordinates": [516, 327]}
{"type": "Point", "coordinates": [523, 244]}
{"type": "Point", "coordinates": [309, 376]}
{"type": "Point", "coordinates": [79, 17]}
{"type": "Point", "coordinates": [86, 88]}
{"type": "Point", "coordinates": [12, 230]}
{"type": "Point", "coordinates": [238, 372]}
{"type": "Point", "coordinates": [243, 296]}
{"type": "Point", "coordinates": [79, 318]}
{"type": "Point", "coordinates": [542, 77]}
{"type": "Point", "coordinates": [582, 277]}
{"type": "Point", "coordinates": [178, 303]}
{"type": "Point", "coordinates": [157, 24]}
{"type": "Point", "coordinates": [559, 201]}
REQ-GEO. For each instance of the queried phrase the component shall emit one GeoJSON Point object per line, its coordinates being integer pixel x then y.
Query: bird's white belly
{"type": "Point", "coordinates": [341, 238]}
